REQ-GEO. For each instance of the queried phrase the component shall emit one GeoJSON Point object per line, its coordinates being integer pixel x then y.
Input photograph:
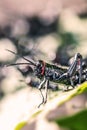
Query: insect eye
{"type": "Point", "coordinates": [39, 65]}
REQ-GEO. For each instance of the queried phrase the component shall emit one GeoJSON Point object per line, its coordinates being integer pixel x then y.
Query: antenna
{"type": "Point", "coordinates": [31, 62]}
{"type": "Point", "coordinates": [13, 64]}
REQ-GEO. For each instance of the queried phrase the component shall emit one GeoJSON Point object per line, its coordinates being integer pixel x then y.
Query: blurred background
{"type": "Point", "coordinates": [51, 30]}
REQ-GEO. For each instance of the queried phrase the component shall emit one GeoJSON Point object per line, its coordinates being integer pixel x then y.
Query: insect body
{"type": "Point", "coordinates": [61, 74]}
{"type": "Point", "coordinates": [49, 71]}
{"type": "Point", "coordinates": [75, 74]}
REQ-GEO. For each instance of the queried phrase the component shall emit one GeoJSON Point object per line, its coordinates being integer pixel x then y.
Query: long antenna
{"type": "Point", "coordinates": [32, 63]}
{"type": "Point", "coordinates": [13, 64]}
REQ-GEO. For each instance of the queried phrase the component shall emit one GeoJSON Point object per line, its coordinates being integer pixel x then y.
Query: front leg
{"type": "Point", "coordinates": [40, 87]}
{"type": "Point", "coordinates": [44, 99]}
{"type": "Point", "coordinates": [41, 84]}
{"type": "Point", "coordinates": [46, 90]}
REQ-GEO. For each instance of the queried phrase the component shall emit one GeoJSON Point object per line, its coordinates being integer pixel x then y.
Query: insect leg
{"type": "Point", "coordinates": [42, 83]}
{"type": "Point", "coordinates": [40, 87]}
{"type": "Point", "coordinates": [76, 66]}
{"type": "Point", "coordinates": [42, 99]}
{"type": "Point", "coordinates": [46, 90]}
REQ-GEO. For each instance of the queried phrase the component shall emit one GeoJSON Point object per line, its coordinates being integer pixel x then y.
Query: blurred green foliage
{"type": "Point", "coordinates": [74, 122]}
{"type": "Point", "coordinates": [20, 125]}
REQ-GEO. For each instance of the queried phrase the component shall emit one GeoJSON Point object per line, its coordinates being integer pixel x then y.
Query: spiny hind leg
{"type": "Point", "coordinates": [75, 66]}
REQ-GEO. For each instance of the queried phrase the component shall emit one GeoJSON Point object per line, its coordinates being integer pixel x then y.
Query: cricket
{"type": "Point", "coordinates": [73, 75]}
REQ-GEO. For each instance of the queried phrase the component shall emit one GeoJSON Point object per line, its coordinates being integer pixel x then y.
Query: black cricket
{"type": "Point", "coordinates": [73, 75]}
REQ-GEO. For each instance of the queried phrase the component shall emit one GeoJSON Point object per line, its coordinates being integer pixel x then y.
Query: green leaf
{"type": "Point", "coordinates": [77, 121]}
{"type": "Point", "coordinates": [36, 113]}
{"type": "Point", "coordinates": [78, 90]}
{"type": "Point", "coordinates": [74, 122]}
{"type": "Point", "coordinates": [20, 125]}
